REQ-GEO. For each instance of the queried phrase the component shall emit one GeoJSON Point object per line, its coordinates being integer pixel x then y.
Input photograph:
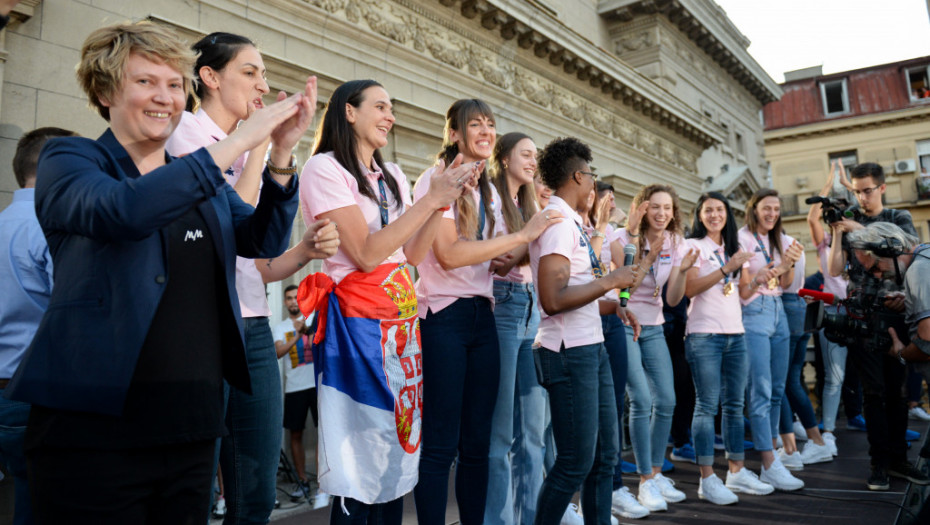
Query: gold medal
{"type": "Point", "coordinates": [773, 283]}
{"type": "Point", "coordinates": [657, 291]}
{"type": "Point", "coordinates": [728, 289]}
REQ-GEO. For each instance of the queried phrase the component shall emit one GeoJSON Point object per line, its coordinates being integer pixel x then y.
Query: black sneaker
{"type": "Point", "coordinates": [878, 479]}
{"type": "Point", "coordinates": [905, 470]}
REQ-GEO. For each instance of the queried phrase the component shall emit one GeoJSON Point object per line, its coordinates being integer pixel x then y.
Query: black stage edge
{"type": "Point", "coordinates": [834, 493]}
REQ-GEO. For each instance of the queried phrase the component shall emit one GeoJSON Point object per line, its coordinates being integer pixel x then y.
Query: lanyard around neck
{"type": "Point", "coordinates": [383, 204]}
{"type": "Point", "coordinates": [597, 268]}
{"type": "Point", "coordinates": [768, 258]}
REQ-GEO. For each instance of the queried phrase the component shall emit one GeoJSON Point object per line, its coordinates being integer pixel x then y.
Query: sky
{"type": "Point", "coordinates": [840, 35]}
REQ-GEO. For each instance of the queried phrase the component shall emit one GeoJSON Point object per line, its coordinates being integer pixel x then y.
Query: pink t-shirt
{"type": "Point", "coordinates": [747, 242]}
{"type": "Point", "coordinates": [609, 234]}
{"type": "Point", "coordinates": [196, 131]}
{"type": "Point", "coordinates": [712, 312]}
{"type": "Point", "coordinates": [835, 285]}
{"type": "Point", "coordinates": [438, 288]}
{"type": "Point", "coordinates": [326, 186]}
{"type": "Point", "coordinates": [644, 302]}
{"type": "Point", "coordinates": [581, 326]}
{"type": "Point", "coordinates": [517, 274]}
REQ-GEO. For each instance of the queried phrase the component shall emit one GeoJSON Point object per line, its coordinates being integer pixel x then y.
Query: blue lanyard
{"type": "Point", "coordinates": [765, 252]}
{"type": "Point", "coordinates": [481, 217]}
{"type": "Point", "coordinates": [384, 202]}
{"type": "Point", "coordinates": [597, 268]}
{"type": "Point", "coordinates": [726, 276]}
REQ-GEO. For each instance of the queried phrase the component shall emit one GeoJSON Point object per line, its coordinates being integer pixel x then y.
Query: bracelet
{"type": "Point", "coordinates": [445, 208]}
{"type": "Point", "coordinates": [632, 234]}
{"type": "Point", "coordinates": [598, 233]}
{"type": "Point", "coordinates": [290, 170]}
{"type": "Point", "coordinates": [723, 272]}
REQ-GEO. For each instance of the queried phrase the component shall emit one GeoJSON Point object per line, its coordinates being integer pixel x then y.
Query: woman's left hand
{"type": "Point", "coordinates": [688, 260]}
{"type": "Point", "coordinates": [286, 135]}
{"type": "Point", "coordinates": [321, 239]}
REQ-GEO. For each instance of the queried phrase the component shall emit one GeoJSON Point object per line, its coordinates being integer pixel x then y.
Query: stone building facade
{"type": "Point", "coordinates": [663, 90]}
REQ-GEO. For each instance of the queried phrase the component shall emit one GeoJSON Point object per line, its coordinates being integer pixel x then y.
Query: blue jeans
{"type": "Point", "coordinates": [615, 344]}
{"type": "Point", "coordinates": [719, 367]}
{"type": "Point", "coordinates": [515, 462]}
{"type": "Point", "coordinates": [461, 369]}
{"type": "Point", "coordinates": [651, 387]}
{"type": "Point", "coordinates": [767, 336]}
{"type": "Point", "coordinates": [584, 424]}
{"type": "Point", "coordinates": [834, 371]}
{"type": "Point", "coordinates": [249, 454]}
{"type": "Point", "coordinates": [796, 397]}
{"type": "Point", "coordinates": [13, 418]}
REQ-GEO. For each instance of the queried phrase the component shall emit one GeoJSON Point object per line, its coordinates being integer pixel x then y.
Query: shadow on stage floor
{"type": "Point", "coordinates": [834, 493]}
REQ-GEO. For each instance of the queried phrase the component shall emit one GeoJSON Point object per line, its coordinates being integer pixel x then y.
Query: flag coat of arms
{"type": "Point", "coordinates": [369, 382]}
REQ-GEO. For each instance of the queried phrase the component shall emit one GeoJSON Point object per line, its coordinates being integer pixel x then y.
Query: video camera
{"type": "Point", "coordinates": [866, 319]}
{"type": "Point", "coordinates": [834, 209]}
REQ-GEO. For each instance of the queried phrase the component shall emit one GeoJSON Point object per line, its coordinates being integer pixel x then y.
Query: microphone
{"type": "Point", "coordinates": [828, 298]}
{"type": "Point", "coordinates": [629, 251]}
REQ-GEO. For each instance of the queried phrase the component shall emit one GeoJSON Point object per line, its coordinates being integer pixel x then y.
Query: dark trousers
{"type": "Point", "coordinates": [615, 344]}
{"type": "Point", "coordinates": [684, 384]}
{"type": "Point", "coordinates": [852, 389]}
{"type": "Point", "coordinates": [884, 406]}
{"type": "Point", "coordinates": [390, 513]}
{"type": "Point", "coordinates": [167, 485]}
{"type": "Point", "coordinates": [461, 370]}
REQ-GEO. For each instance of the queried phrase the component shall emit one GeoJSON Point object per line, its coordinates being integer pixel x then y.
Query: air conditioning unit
{"type": "Point", "coordinates": [905, 166]}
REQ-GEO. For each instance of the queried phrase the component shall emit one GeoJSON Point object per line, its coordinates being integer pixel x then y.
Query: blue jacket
{"type": "Point", "coordinates": [103, 223]}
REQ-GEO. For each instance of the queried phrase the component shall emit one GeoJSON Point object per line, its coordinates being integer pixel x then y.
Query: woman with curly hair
{"type": "Point", "coordinates": [654, 226]}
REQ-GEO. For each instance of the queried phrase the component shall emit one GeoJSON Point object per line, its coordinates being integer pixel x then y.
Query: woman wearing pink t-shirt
{"type": "Point", "coordinates": [230, 86]}
{"type": "Point", "coordinates": [654, 226]}
{"type": "Point", "coordinates": [461, 365]}
{"type": "Point", "coordinates": [766, 325]}
{"type": "Point", "coordinates": [716, 349]}
{"type": "Point", "coordinates": [348, 182]}
{"type": "Point", "coordinates": [515, 464]}
{"type": "Point", "coordinates": [571, 361]}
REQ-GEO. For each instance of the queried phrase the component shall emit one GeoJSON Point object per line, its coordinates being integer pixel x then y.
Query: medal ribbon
{"type": "Point", "coordinates": [726, 276]}
{"type": "Point", "coordinates": [765, 252]}
{"type": "Point", "coordinates": [597, 268]}
{"type": "Point", "coordinates": [481, 217]}
{"type": "Point", "coordinates": [384, 202]}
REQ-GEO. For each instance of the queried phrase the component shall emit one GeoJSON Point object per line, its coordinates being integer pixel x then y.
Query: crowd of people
{"type": "Point", "coordinates": [537, 310]}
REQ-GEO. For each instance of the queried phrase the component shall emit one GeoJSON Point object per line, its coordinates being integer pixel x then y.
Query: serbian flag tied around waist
{"type": "Point", "coordinates": [369, 381]}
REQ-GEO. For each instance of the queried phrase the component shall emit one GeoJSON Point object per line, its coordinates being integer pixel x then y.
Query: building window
{"type": "Point", "coordinates": [918, 82]}
{"type": "Point", "coordinates": [923, 157]}
{"type": "Point", "coordinates": [835, 97]}
{"type": "Point", "coordinates": [740, 146]}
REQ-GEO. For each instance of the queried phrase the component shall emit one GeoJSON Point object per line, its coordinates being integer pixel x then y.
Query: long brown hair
{"type": "Point", "coordinates": [752, 223]}
{"type": "Point", "coordinates": [515, 218]}
{"type": "Point", "coordinates": [674, 225]}
{"type": "Point", "coordinates": [460, 112]}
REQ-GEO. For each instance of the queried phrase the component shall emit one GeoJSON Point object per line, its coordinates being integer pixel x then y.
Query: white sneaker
{"type": "Point", "coordinates": [668, 490]}
{"type": "Point", "coordinates": [830, 439]}
{"type": "Point", "coordinates": [791, 461]}
{"type": "Point", "coordinates": [321, 500]}
{"type": "Point", "coordinates": [918, 413]}
{"type": "Point", "coordinates": [747, 482]}
{"type": "Point", "coordinates": [800, 433]}
{"type": "Point", "coordinates": [814, 453]}
{"type": "Point", "coordinates": [779, 477]}
{"type": "Point", "coordinates": [650, 497]}
{"type": "Point", "coordinates": [571, 516]}
{"type": "Point", "coordinates": [625, 505]}
{"type": "Point", "coordinates": [712, 489]}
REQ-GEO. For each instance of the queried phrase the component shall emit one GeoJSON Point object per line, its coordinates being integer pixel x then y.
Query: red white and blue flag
{"type": "Point", "coordinates": [369, 382]}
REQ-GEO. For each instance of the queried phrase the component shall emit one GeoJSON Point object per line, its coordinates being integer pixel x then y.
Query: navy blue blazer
{"type": "Point", "coordinates": [103, 223]}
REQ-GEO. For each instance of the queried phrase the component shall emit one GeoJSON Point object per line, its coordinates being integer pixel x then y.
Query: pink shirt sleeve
{"type": "Point", "coordinates": [325, 186]}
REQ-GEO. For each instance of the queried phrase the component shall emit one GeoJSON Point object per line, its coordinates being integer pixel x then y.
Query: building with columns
{"type": "Point", "coordinates": [662, 90]}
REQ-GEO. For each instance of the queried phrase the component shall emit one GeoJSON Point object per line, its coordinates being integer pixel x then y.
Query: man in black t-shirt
{"type": "Point", "coordinates": [882, 377]}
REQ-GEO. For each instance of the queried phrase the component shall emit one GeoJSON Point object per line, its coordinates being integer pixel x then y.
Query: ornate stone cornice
{"type": "Point", "coordinates": [563, 48]}
{"type": "Point", "coordinates": [709, 28]}
{"type": "Point", "coordinates": [846, 125]}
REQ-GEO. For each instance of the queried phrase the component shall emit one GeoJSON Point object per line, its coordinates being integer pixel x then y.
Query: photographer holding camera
{"type": "Point", "coordinates": [882, 376]}
{"type": "Point", "coordinates": [890, 253]}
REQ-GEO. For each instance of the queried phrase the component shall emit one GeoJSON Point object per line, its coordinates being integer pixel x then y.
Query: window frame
{"type": "Point", "coordinates": [907, 82]}
{"type": "Point", "coordinates": [845, 95]}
